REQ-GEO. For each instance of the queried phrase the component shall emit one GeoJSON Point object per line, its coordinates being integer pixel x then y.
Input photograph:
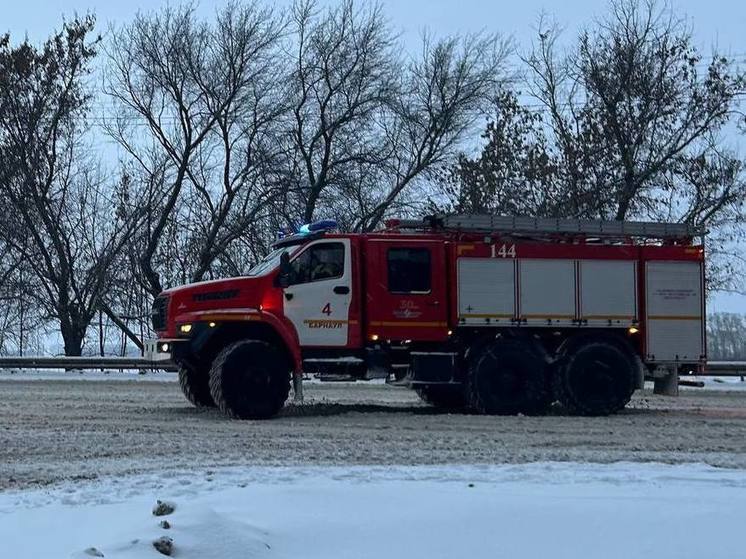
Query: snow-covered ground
{"type": "Point", "coordinates": [86, 374]}
{"type": "Point", "coordinates": [141, 441]}
{"type": "Point", "coordinates": [718, 383]}
{"type": "Point", "coordinates": [711, 383]}
{"type": "Point", "coordinates": [131, 375]}
{"type": "Point", "coordinates": [533, 510]}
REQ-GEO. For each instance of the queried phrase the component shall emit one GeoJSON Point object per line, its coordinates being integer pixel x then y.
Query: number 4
{"type": "Point", "coordinates": [327, 310]}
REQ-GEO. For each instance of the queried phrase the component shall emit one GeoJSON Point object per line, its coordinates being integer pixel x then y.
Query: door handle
{"type": "Point", "coordinates": [341, 290]}
{"type": "Point", "coordinates": [288, 296]}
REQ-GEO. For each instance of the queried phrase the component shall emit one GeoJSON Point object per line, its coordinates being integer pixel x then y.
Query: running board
{"type": "Point", "coordinates": [335, 378]}
{"type": "Point", "coordinates": [334, 367]}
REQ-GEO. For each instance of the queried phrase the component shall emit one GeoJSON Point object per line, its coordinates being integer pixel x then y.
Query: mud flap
{"type": "Point", "coordinates": [377, 364]}
{"type": "Point", "coordinates": [433, 367]}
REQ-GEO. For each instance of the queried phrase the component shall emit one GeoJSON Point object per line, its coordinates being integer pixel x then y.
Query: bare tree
{"type": "Point", "coordinates": [554, 82]}
{"type": "Point", "coordinates": [207, 97]}
{"type": "Point", "coordinates": [444, 92]}
{"type": "Point", "coordinates": [628, 103]}
{"type": "Point", "coordinates": [725, 338]}
{"type": "Point", "coordinates": [515, 173]}
{"type": "Point", "coordinates": [255, 122]}
{"type": "Point", "coordinates": [343, 73]}
{"type": "Point", "coordinates": [61, 221]}
{"type": "Point", "coordinates": [368, 122]}
{"type": "Point", "coordinates": [20, 318]}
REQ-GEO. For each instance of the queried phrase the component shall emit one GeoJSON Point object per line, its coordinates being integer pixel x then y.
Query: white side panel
{"type": "Point", "coordinates": [547, 291]}
{"type": "Point", "coordinates": [674, 340]}
{"type": "Point", "coordinates": [608, 292]}
{"type": "Point", "coordinates": [674, 311]}
{"type": "Point", "coordinates": [486, 290]}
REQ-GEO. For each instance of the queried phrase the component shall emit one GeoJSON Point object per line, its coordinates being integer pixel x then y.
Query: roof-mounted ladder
{"type": "Point", "coordinates": [555, 226]}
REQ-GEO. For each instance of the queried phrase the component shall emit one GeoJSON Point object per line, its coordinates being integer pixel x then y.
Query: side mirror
{"type": "Point", "coordinates": [283, 278]}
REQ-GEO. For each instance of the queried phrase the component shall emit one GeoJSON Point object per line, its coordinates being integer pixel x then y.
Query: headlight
{"type": "Point", "coordinates": [185, 328]}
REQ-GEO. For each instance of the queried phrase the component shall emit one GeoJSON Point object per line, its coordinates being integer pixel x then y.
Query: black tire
{"type": "Point", "coordinates": [196, 387]}
{"type": "Point", "coordinates": [449, 397]}
{"type": "Point", "coordinates": [250, 379]}
{"type": "Point", "coordinates": [596, 377]}
{"type": "Point", "coordinates": [509, 376]}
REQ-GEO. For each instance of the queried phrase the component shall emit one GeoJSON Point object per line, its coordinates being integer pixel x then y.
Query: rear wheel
{"type": "Point", "coordinates": [250, 379]}
{"type": "Point", "coordinates": [509, 376]}
{"type": "Point", "coordinates": [596, 377]}
{"type": "Point", "coordinates": [444, 396]}
{"type": "Point", "coordinates": [195, 385]}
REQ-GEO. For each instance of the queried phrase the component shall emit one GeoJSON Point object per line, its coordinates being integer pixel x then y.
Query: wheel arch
{"type": "Point", "coordinates": [480, 341]}
{"type": "Point", "coordinates": [228, 332]}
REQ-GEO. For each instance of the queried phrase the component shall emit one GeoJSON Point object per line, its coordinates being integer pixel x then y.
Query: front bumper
{"type": "Point", "coordinates": [158, 350]}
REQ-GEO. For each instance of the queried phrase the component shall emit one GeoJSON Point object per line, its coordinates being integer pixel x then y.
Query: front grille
{"type": "Point", "coordinates": [160, 310]}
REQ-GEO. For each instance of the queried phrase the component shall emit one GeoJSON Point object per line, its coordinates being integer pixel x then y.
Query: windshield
{"type": "Point", "coordinates": [271, 261]}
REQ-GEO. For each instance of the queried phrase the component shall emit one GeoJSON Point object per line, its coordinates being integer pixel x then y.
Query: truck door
{"type": "Point", "coordinates": [317, 301]}
{"type": "Point", "coordinates": [406, 290]}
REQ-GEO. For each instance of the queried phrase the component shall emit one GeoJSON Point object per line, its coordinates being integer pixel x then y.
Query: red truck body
{"type": "Point", "coordinates": [410, 303]}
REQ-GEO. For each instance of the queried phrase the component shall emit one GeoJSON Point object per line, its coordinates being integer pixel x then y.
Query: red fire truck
{"type": "Point", "coordinates": [492, 314]}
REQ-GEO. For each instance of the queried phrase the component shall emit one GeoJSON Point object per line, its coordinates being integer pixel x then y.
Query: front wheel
{"type": "Point", "coordinates": [195, 385]}
{"type": "Point", "coordinates": [250, 380]}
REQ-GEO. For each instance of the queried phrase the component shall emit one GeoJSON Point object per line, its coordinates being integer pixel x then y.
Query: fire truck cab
{"type": "Point", "coordinates": [491, 314]}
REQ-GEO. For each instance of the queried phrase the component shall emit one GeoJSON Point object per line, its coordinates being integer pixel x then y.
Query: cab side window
{"type": "Point", "coordinates": [409, 270]}
{"type": "Point", "coordinates": [319, 262]}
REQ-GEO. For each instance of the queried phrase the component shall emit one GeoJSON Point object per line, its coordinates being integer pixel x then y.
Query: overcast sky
{"type": "Point", "coordinates": [717, 24]}
{"type": "Point", "coordinates": [720, 23]}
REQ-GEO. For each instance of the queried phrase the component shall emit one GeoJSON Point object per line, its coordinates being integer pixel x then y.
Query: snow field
{"type": "Point", "coordinates": [557, 510]}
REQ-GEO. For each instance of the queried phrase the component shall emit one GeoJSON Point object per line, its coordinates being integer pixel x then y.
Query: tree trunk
{"type": "Point", "coordinates": [73, 336]}
{"type": "Point", "coordinates": [101, 333]}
